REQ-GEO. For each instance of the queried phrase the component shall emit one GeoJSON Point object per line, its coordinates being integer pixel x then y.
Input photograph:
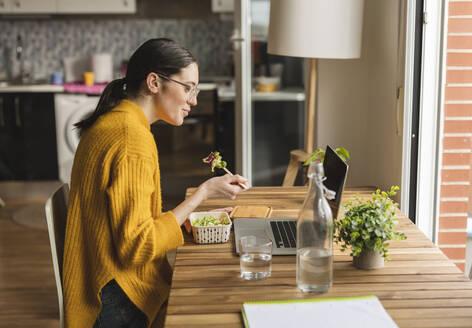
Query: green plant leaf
{"type": "Point", "coordinates": [319, 154]}
{"type": "Point", "coordinates": [343, 153]}
{"type": "Point", "coordinates": [368, 224]}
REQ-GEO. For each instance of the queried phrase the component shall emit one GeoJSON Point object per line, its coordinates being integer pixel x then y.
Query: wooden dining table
{"type": "Point", "coordinates": [419, 286]}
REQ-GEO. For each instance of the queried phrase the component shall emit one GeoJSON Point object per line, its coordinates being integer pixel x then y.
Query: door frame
{"type": "Point", "coordinates": [430, 119]}
{"type": "Point", "coordinates": [241, 41]}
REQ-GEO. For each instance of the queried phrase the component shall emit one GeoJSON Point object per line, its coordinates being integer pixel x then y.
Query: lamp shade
{"type": "Point", "coordinates": [316, 28]}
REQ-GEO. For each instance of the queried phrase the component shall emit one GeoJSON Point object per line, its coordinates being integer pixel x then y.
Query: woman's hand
{"type": "Point", "coordinates": [225, 186]}
{"type": "Point", "coordinates": [218, 187]}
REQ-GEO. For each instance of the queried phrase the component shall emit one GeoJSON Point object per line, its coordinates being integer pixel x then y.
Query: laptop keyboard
{"type": "Point", "coordinates": [285, 233]}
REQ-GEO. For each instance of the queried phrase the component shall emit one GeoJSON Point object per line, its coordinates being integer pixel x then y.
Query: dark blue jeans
{"type": "Point", "coordinates": [118, 310]}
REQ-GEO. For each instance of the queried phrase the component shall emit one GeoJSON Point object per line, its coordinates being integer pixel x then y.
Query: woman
{"type": "Point", "coordinates": [115, 271]}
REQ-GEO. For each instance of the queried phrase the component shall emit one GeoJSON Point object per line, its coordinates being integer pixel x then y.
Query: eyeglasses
{"type": "Point", "coordinates": [192, 90]}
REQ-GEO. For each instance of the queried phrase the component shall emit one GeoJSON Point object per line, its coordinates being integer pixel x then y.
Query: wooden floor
{"type": "Point", "coordinates": [27, 288]}
{"type": "Point", "coordinates": [28, 296]}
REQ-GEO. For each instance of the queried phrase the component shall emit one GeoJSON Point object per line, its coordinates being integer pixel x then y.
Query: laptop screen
{"type": "Point", "coordinates": [335, 170]}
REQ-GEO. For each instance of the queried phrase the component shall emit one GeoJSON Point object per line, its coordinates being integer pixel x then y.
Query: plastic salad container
{"type": "Point", "coordinates": [210, 227]}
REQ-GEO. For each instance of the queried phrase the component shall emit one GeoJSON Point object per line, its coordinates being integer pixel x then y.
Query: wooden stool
{"type": "Point", "coordinates": [297, 156]}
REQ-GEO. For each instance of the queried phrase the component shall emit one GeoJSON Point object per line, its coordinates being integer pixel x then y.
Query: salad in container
{"type": "Point", "coordinates": [210, 227]}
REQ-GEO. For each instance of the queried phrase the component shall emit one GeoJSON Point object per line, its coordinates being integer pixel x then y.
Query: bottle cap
{"type": "Point", "coordinates": [315, 169]}
{"type": "Point", "coordinates": [319, 170]}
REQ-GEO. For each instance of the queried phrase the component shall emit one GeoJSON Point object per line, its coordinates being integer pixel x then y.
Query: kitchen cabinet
{"type": "Point", "coordinates": [67, 7]}
{"type": "Point", "coordinates": [27, 137]}
{"type": "Point", "coordinates": [95, 7]}
{"type": "Point", "coordinates": [8, 131]}
{"type": "Point", "coordinates": [27, 6]}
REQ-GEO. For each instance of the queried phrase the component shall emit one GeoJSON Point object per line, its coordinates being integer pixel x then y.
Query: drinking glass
{"type": "Point", "coordinates": [255, 257]}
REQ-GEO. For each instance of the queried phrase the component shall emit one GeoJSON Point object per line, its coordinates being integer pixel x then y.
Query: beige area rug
{"type": "Point", "coordinates": [31, 216]}
{"type": "Point", "coordinates": [24, 201]}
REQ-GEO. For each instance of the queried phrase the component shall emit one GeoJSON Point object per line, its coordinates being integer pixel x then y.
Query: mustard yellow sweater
{"type": "Point", "coordinates": [115, 225]}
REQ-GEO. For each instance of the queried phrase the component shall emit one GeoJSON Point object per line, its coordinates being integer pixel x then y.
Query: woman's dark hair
{"type": "Point", "coordinates": [162, 56]}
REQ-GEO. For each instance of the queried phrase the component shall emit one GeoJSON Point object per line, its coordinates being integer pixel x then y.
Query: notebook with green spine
{"type": "Point", "coordinates": [352, 312]}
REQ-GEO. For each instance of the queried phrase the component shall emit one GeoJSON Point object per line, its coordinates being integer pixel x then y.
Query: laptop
{"type": "Point", "coordinates": [283, 231]}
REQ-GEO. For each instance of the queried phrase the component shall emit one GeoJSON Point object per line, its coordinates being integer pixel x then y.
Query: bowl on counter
{"type": "Point", "coordinates": [266, 83]}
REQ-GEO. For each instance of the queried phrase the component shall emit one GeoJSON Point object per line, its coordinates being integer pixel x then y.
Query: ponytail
{"type": "Point", "coordinates": [114, 92]}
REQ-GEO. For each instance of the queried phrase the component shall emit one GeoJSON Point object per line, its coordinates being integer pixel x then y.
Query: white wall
{"type": "Point", "coordinates": [356, 102]}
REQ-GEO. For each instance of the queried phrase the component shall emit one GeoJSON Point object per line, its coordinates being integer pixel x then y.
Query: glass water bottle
{"type": "Point", "coordinates": [315, 236]}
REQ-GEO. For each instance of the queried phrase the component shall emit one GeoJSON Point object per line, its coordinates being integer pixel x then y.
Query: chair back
{"type": "Point", "coordinates": [56, 217]}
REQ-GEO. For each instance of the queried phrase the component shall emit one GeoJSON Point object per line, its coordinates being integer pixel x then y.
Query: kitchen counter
{"type": "Point", "coordinates": [226, 94]}
{"type": "Point", "coordinates": [36, 88]}
{"type": "Point", "coordinates": [207, 86]}
{"type": "Point", "coordinates": [39, 88]}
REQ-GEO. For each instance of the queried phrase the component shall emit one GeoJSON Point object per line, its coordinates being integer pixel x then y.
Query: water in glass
{"type": "Point", "coordinates": [255, 258]}
{"type": "Point", "coordinates": [255, 266]}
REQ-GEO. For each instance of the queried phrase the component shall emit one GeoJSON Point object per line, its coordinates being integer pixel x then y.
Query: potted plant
{"type": "Point", "coordinates": [319, 154]}
{"type": "Point", "coordinates": [367, 227]}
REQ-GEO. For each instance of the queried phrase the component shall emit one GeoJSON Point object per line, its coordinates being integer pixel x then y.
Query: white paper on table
{"type": "Point", "coordinates": [356, 312]}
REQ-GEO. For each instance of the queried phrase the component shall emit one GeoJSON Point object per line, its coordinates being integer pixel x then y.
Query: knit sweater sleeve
{"type": "Point", "coordinates": [138, 237]}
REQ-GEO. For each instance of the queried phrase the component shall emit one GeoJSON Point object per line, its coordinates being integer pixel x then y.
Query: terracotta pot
{"type": "Point", "coordinates": [368, 260]}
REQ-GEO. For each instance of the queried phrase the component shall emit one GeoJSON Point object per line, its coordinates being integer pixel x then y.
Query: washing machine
{"type": "Point", "coordinates": [70, 109]}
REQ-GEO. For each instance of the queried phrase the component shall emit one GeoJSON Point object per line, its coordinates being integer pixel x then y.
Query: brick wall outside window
{"type": "Point", "coordinates": [457, 135]}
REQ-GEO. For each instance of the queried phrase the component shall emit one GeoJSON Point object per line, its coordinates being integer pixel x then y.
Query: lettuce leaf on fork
{"type": "Point", "coordinates": [215, 160]}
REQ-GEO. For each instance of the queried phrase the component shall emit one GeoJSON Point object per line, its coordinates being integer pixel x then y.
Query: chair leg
{"type": "Point", "coordinates": [291, 173]}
